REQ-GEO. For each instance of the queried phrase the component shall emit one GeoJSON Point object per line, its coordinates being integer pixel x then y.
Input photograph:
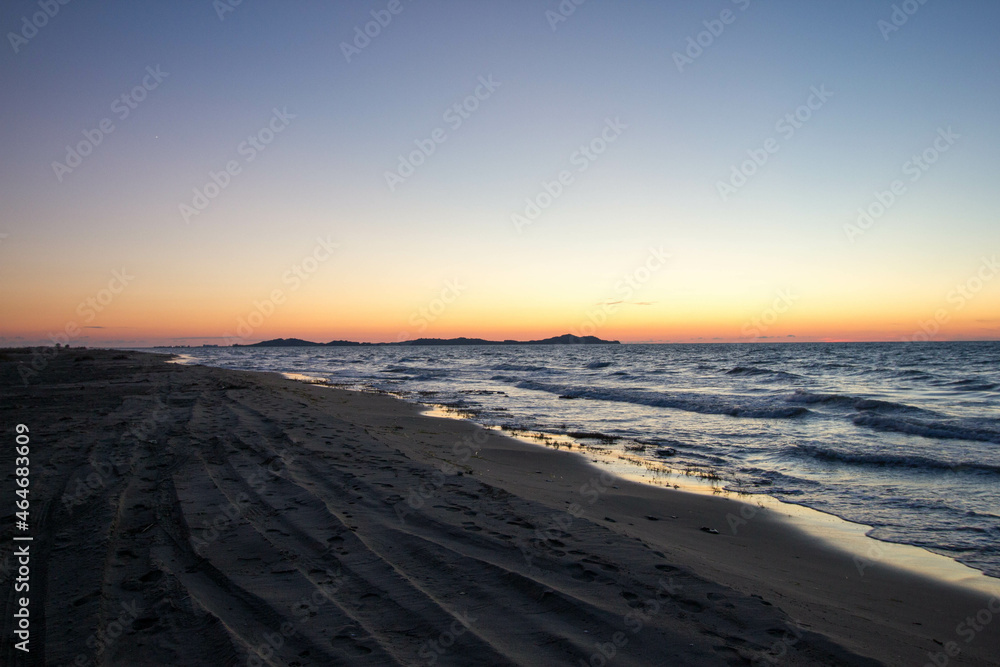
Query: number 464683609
{"type": "Point", "coordinates": [22, 474]}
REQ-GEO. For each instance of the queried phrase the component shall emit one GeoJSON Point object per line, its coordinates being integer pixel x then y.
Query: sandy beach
{"type": "Point", "coordinates": [185, 515]}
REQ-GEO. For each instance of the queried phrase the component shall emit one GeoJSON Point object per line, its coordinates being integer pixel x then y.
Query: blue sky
{"type": "Point", "coordinates": [655, 185]}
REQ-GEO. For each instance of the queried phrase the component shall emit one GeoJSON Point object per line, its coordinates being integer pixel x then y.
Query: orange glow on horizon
{"type": "Point", "coordinates": [151, 315]}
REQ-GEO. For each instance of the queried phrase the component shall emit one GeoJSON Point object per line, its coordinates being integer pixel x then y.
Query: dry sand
{"type": "Point", "coordinates": [197, 516]}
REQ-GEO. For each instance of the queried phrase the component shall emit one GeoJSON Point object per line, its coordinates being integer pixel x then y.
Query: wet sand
{"type": "Point", "coordinates": [187, 515]}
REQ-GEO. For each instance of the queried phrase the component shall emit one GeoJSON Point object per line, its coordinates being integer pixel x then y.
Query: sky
{"type": "Point", "coordinates": [731, 170]}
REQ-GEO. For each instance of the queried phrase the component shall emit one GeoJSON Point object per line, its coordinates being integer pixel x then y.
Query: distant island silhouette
{"type": "Point", "coordinates": [565, 339]}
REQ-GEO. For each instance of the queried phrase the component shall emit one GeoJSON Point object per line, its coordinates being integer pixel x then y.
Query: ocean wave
{"type": "Point", "coordinates": [927, 429]}
{"type": "Point", "coordinates": [779, 479]}
{"type": "Point", "coordinates": [746, 370]}
{"type": "Point", "coordinates": [594, 365]}
{"type": "Point", "coordinates": [690, 403]}
{"type": "Point", "coordinates": [420, 374]}
{"type": "Point", "coordinates": [518, 367]}
{"type": "Point", "coordinates": [856, 402]}
{"type": "Point", "coordinates": [399, 369]}
{"type": "Point", "coordinates": [875, 405]}
{"type": "Point", "coordinates": [973, 385]}
{"type": "Point", "coordinates": [913, 373]}
{"type": "Point", "coordinates": [807, 397]}
{"type": "Point", "coordinates": [749, 371]}
{"type": "Point", "coordinates": [882, 459]}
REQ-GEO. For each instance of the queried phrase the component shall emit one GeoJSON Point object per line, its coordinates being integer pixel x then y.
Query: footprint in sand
{"type": "Point", "coordinates": [633, 600]}
{"type": "Point", "coordinates": [349, 646]}
{"type": "Point", "coordinates": [580, 573]}
{"type": "Point", "coordinates": [604, 565]}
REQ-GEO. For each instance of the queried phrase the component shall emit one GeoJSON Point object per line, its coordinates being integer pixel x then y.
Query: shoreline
{"type": "Point", "coordinates": [837, 531]}
{"type": "Point", "coordinates": [391, 530]}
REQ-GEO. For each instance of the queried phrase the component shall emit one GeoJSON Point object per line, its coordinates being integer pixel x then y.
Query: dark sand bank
{"type": "Point", "coordinates": [185, 515]}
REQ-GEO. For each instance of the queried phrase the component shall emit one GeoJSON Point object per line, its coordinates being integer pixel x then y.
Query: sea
{"type": "Point", "coordinates": [901, 437]}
